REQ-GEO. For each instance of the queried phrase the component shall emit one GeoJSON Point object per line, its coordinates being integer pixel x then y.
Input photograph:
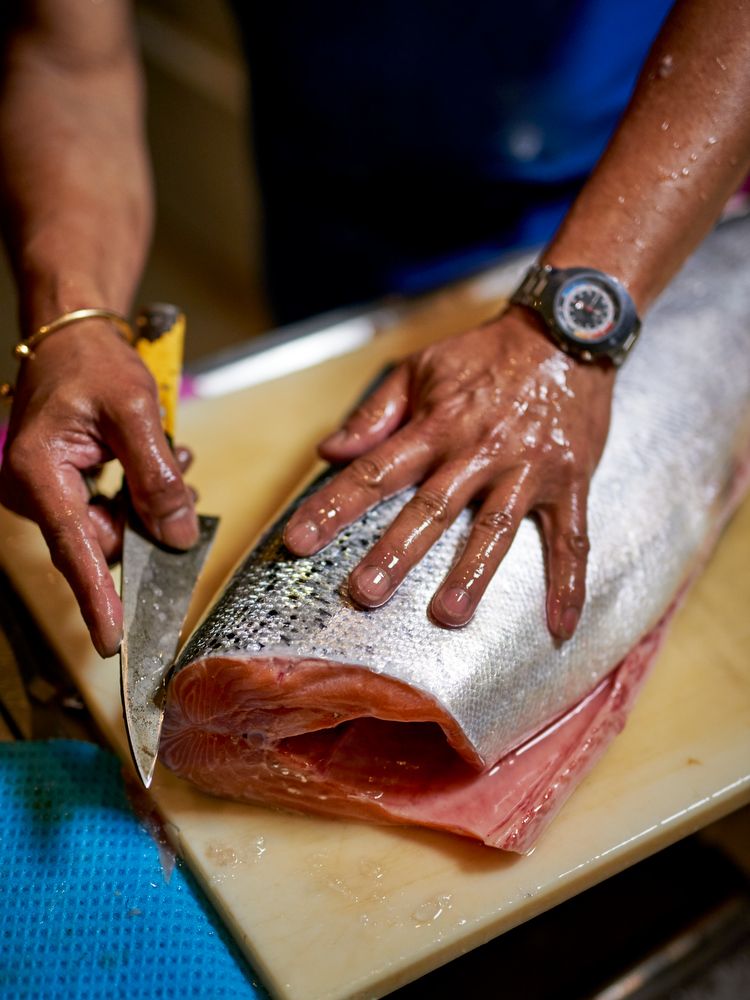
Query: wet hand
{"type": "Point", "coordinates": [86, 398]}
{"type": "Point", "coordinates": [498, 415]}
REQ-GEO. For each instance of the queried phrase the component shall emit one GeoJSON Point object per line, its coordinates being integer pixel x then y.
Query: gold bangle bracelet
{"type": "Point", "coordinates": [24, 349]}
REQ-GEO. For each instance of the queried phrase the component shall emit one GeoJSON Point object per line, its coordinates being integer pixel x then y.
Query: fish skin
{"type": "Point", "coordinates": [678, 437]}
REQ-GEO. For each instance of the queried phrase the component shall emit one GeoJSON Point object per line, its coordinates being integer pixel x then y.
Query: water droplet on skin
{"type": "Point", "coordinates": [621, 200]}
{"type": "Point", "coordinates": [685, 171]}
{"type": "Point", "coordinates": [711, 141]}
{"type": "Point", "coordinates": [719, 63]}
{"type": "Point", "coordinates": [676, 145]}
{"type": "Point", "coordinates": [693, 157]}
{"type": "Point", "coordinates": [674, 175]}
{"type": "Point", "coordinates": [664, 126]}
{"type": "Point", "coordinates": [665, 66]}
{"type": "Point", "coordinates": [557, 436]}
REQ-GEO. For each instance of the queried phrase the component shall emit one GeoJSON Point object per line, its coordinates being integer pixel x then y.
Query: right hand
{"type": "Point", "coordinates": [85, 398]}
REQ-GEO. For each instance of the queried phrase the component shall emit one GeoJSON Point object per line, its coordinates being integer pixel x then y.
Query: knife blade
{"type": "Point", "coordinates": [157, 586]}
{"type": "Point", "coordinates": [157, 582]}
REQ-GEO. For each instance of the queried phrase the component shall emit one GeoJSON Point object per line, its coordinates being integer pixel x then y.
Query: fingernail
{"type": "Point", "coordinates": [455, 602]}
{"type": "Point", "coordinates": [180, 529]}
{"type": "Point", "coordinates": [373, 583]}
{"type": "Point", "coordinates": [107, 638]}
{"type": "Point", "coordinates": [183, 457]}
{"type": "Point", "coordinates": [335, 440]}
{"type": "Point", "coordinates": [302, 538]}
{"type": "Point", "coordinates": [569, 622]}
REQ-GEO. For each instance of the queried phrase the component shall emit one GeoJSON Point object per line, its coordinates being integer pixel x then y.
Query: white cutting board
{"type": "Point", "coordinates": [329, 910]}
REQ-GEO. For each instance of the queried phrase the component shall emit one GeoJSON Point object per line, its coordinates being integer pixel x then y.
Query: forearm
{"type": "Point", "coordinates": [75, 174]}
{"type": "Point", "coordinates": [681, 149]}
{"type": "Point", "coordinates": [77, 216]}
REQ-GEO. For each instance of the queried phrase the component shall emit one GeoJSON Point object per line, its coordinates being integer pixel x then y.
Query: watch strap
{"type": "Point", "coordinates": [530, 290]}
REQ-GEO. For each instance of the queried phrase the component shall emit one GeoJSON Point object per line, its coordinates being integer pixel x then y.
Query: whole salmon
{"type": "Point", "coordinates": [289, 693]}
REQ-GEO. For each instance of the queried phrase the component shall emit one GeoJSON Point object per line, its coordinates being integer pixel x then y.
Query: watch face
{"type": "Point", "coordinates": [586, 309]}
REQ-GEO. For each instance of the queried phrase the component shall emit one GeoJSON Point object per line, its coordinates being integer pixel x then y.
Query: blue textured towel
{"type": "Point", "coordinates": [84, 909]}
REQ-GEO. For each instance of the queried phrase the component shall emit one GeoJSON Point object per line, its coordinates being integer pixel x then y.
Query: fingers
{"type": "Point", "coordinates": [566, 545]}
{"type": "Point", "coordinates": [567, 548]}
{"type": "Point", "coordinates": [162, 500]}
{"type": "Point", "coordinates": [372, 422]}
{"type": "Point", "coordinates": [107, 514]}
{"type": "Point", "coordinates": [107, 519]}
{"type": "Point", "coordinates": [58, 502]}
{"type": "Point", "coordinates": [493, 531]}
{"type": "Point", "coordinates": [76, 552]}
{"type": "Point", "coordinates": [421, 522]}
{"type": "Point", "coordinates": [184, 457]}
{"type": "Point", "coordinates": [400, 461]}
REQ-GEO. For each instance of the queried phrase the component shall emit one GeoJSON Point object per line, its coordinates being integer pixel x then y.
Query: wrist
{"type": "Point", "coordinates": [48, 292]}
{"type": "Point", "coordinates": [84, 256]}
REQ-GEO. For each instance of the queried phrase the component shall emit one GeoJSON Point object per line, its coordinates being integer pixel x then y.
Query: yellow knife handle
{"type": "Point", "coordinates": [160, 332]}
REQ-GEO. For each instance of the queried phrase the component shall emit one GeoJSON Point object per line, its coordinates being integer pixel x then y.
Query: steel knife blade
{"type": "Point", "coordinates": [157, 586]}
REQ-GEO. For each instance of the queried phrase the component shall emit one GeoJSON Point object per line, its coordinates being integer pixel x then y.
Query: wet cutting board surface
{"type": "Point", "coordinates": [330, 910]}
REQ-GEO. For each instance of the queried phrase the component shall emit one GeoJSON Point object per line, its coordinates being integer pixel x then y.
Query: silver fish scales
{"type": "Point", "coordinates": [679, 433]}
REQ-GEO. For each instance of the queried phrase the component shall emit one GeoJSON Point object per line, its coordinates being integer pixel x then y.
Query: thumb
{"type": "Point", "coordinates": [160, 497]}
{"type": "Point", "coordinates": [375, 419]}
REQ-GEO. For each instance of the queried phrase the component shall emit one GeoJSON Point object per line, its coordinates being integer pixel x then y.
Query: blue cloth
{"type": "Point", "coordinates": [86, 913]}
{"type": "Point", "coordinates": [401, 143]}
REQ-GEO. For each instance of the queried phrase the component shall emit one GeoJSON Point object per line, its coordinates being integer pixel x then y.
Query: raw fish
{"type": "Point", "coordinates": [290, 694]}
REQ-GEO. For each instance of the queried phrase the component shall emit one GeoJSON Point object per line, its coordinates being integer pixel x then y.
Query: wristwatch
{"type": "Point", "coordinates": [587, 313]}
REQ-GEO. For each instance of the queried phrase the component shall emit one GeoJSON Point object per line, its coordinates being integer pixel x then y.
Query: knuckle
{"type": "Point", "coordinates": [573, 543]}
{"type": "Point", "coordinates": [138, 407]}
{"type": "Point", "coordinates": [495, 522]}
{"type": "Point", "coordinates": [368, 472]}
{"type": "Point", "coordinates": [430, 505]}
{"type": "Point", "coordinates": [161, 490]}
{"type": "Point", "coordinates": [368, 413]}
{"type": "Point", "coordinates": [21, 460]}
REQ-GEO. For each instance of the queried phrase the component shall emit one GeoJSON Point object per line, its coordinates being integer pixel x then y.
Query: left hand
{"type": "Point", "coordinates": [498, 413]}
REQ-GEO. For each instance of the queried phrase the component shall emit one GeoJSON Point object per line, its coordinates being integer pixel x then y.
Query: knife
{"type": "Point", "coordinates": [157, 582]}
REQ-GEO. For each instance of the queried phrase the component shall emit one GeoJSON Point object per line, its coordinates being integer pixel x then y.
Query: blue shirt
{"type": "Point", "coordinates": [408, 141]}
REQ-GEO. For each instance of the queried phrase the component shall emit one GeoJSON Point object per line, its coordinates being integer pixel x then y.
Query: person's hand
{"type": "Point", "coordinates": [498, 413]}
{"type": "Point", "coordinates": [85, 398]}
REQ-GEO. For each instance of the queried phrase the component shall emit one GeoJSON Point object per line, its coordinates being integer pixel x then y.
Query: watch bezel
{"type": "Point", "coordinates": [612, 343]}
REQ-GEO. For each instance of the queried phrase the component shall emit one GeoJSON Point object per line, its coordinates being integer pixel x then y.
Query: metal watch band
{"type": "Point", "coordinates": [529, 291]}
